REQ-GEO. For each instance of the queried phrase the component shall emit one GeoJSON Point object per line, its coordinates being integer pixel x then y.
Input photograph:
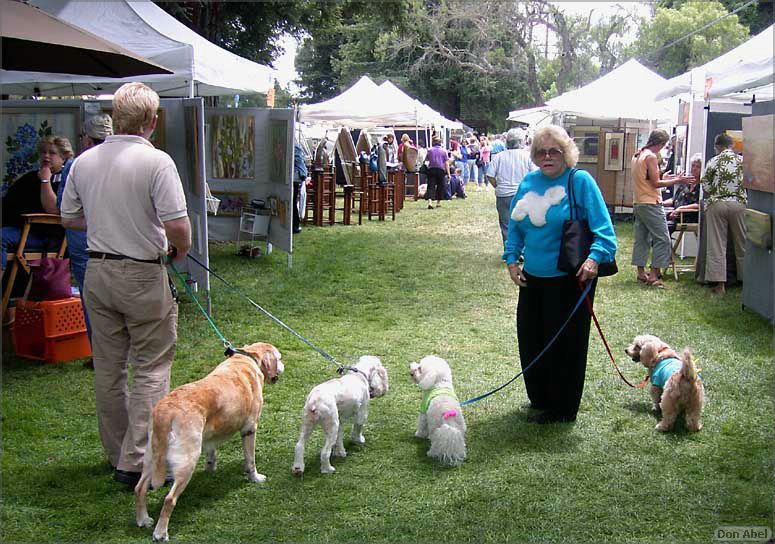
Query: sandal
{"type": "Point", "coordinates": [644, 279]}
{"type": "Point", "coordinates": [656, 283]}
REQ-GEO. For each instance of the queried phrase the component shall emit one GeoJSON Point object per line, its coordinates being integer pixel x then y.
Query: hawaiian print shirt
{"type": "Point", "coordinates": [723, 179]}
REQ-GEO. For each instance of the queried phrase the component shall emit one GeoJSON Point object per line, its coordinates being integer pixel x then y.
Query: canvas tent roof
{"type": "Point", "coordinates": [426, 115]}
{"type": "Point", "coordinates": [747, 66]}
{"type": "Point", "coordinates": [362, 105]}
{"type": "Point", "coordinates": [148, 31]}
{"type": "Point", "coordinates": [535, 117]}
{"type": "Point", "coordinates": [626, 92]}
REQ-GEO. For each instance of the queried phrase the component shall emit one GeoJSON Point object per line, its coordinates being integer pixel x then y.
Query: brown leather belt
{"type": "Point", "coordinates": [114, 257]}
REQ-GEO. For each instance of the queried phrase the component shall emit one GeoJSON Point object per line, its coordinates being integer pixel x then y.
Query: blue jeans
{"type": "Point", "coordinates": [473, 171]}
{"type": "Point", "coordinates": [482, 177]}
{"type": "Point", "coordinates": [79, 256]}
{"type": "Point", "coordinates": [12, 236]}
{"type": "Point", "coordinates": [463, 170]}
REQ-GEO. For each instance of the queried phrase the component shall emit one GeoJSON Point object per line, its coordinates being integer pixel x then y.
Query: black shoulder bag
{"type": "Point", "coordinates": [576, 241]}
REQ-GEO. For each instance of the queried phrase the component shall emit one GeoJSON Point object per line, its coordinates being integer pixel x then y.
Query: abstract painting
{"type": "Point", "coordinates": [231, 203]}
{"type": "Point", "coordinates": [233, 146]}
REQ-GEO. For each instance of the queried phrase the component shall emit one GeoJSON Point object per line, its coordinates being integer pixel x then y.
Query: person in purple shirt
{"type": "Point", "coordinates": [438, 170]}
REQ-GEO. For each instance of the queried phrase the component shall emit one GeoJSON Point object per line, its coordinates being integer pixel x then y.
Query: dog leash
{"type": "Point", "coordinates": [607, 348]}
{"type": "Point", "coordinates": [581, 299]}
{"type": "Point", "coordinates": [340, 368]}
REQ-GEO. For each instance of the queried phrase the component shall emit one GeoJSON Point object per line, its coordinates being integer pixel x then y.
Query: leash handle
{"type": "Point", "coordinates": [605, 343]}
{"type": "Point", "coordinates": [534, 361]}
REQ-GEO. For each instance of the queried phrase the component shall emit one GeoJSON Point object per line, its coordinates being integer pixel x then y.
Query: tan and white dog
{"type": "Point", "coordinates": [675, 384]}
{"type": "Point", "coordinates": [332, 402]}
{"type": "Point", "coordinates": [199, 416]}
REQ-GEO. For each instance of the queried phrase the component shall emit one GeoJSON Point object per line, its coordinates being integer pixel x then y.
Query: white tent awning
{"type": "Point", "coordinates": [145, 29]}
{"type": "Point", "coordinates": [363, 105]}
{"type": "Point", "coordinates": [626, 92]}
{"type": "Point", "coordinates": [747, 66]}
{"type": "Point", "coordinates": [535, 117]}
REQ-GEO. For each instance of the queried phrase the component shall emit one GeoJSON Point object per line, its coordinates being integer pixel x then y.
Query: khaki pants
{"type": "Point", "coordinates": [134, 320]}
{"type": "Point", "coordinates": [722, 218]}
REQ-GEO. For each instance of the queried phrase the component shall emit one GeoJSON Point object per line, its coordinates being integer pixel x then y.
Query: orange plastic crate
{"type": "Point", "coordinates": [52, 331]}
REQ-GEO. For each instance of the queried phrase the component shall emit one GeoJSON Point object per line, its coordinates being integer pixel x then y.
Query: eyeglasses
{"type": "Point", "coordinates": [552, 153]}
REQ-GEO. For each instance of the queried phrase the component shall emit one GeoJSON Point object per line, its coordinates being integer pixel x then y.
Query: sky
{"type": "Point", "coordinates": [285, 63]}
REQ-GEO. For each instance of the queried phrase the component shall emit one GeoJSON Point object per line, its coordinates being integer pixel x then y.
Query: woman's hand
{"type": "Point", "coordinates": [515, 271]}
{"type": "Point", "coordinates": [587, 271]}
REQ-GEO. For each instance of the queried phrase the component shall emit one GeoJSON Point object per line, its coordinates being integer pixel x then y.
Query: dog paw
{"type": "Point", "coordinates": [257, 478]}
{"type": "Point", "coordinates": [662, 427]}
{"type": "Point", "coordinates": [327, 470]}
{"type": "Point", "coordinates": [147, 522]}
{"type": "Point", "coordinates": [161, 537]}
{"type": "Point", "coordinates": [359, 440]}
{"type": "Point", "coordinates": [339, 453]}
{"type": "Point", "coordinates": [297, 469]}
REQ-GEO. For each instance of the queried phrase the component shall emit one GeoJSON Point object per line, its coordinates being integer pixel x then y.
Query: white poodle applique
{"type": "Point", "coordinates": [535, 206]}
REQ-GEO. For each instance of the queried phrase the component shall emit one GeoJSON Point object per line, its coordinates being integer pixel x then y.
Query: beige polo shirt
{"type": "Point", "coordinates": [125, 189]}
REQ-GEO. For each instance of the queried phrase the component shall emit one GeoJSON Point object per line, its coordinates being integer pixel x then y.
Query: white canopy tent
{"type": "Point", "coordinates": [200, 68]}
{"type": "Point", "coordinates": [746, 67]}
{"type": "Point", "coordinates": [627, 92]}
{"type": "Point", "coordinates": [534, 117]}
{"type": "Point", "coordinates": [363, 105]}
{"type": "Point", "coordinates": [426, 116]}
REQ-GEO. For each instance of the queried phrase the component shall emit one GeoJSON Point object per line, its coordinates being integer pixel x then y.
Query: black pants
{"type": "Point", "coordinates": [554, 383]}
{"type": "Point", "coordinates": [296, 217]}
{"type": "Point", "coordinates": [436, 182]}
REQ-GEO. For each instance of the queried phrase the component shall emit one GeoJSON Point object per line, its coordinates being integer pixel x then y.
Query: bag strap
{"type": "Point", "coordinates": [571, 195]}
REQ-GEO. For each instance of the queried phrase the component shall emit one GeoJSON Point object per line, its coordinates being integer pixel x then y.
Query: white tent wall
{"type": "Point", "coordinates": [200, 67]}
{"type": "Point", "coordinates": [236, 179]}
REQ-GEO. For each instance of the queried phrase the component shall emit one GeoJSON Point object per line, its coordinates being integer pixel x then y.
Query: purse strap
{"type": "Point", "coordinates": [571, 195]}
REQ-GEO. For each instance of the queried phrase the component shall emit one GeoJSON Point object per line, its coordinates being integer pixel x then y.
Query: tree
{"type": "Point", "coordinates": [658, 42]}
{"type": "Point", "coordinates": [756, 16]}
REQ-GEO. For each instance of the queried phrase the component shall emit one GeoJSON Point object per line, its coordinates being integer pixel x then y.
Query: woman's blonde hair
{"type": "Point", "coordinates": [553, 132]}
{"type": "Point", "coordinates": [134, 106]}
{"type": "Point", "coordinates": [405, 138]}
{"type": "Point", "coordinates": [60, 143]}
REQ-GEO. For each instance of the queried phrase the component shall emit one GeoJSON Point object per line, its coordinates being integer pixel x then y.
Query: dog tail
{"type": "Point", "coordinates": [160, 440]}
{"type": "Point", "coordinates": [448, 445]}
{"type": "Point", "coordinates": [689, 370]}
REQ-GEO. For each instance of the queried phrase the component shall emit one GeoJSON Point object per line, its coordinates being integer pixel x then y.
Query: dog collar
{"type": "Point", "coordinates": [430, 394]}
{"type": "Point", "coordinates": [362, 374]}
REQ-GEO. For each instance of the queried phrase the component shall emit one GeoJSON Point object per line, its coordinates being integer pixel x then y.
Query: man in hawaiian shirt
{"type": "Point", "coordinates": [725, 202]}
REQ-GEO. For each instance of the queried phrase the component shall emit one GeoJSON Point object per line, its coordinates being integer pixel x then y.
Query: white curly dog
{"type": "Point", "coordinates": [441, 418]}
{"type": "Point", "coordinates": [331, 402]}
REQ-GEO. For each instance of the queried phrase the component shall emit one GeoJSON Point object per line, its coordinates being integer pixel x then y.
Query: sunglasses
{"type": "Point", "coordinates": [552, 153]}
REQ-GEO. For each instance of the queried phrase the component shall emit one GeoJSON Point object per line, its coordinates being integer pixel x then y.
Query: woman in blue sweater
{"type": "Point", "coordinates": [547, 295]}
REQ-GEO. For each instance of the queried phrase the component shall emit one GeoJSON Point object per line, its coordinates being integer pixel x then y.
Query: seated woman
{"type": "Point", "coordinates": [686, 200]}
{"type": "Point", "coordinates": [35, 192]}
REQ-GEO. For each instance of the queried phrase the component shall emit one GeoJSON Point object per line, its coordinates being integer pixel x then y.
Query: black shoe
{"type": "Point", "coordinates": [297, 230]}
{"type": "Point", "coordinates": [126, 477]}
{"type": "Point", "coordinates": [89, 364]}
{"type": "Point", "coordinates": [549, 417]}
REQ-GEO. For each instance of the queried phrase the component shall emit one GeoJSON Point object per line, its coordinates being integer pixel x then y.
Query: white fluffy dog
{"type": "Point", "coordinates": [335, 400]}
{"type": "Point", "coordinates": [441, 418]}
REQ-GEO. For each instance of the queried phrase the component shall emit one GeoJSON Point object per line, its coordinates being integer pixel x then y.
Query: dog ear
{"type": "Point", "coordinates": [271, 366]}
{"type": "Point", "coordinates": [379, 380]}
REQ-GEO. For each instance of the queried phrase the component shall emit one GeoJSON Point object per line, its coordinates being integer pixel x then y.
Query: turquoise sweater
{"type": "Point", "coordinates": [540, 246]}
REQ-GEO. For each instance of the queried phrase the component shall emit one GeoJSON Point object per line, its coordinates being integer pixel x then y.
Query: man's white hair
{"type": "Point", "coordinates": [515, 138]}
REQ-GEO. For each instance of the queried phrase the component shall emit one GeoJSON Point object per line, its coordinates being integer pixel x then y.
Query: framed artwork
{"type": "Point", "coordinates": [20, 130]}
{"type": "Point", "coordinates": [231, 203]}
{"type": "Point", "coordinates": [614, 151]}
{"type": "Point", "coordinates": [758, 168]}
{"type": "Point", "coordinates": [233, 146]}
{"type": "Point", "coordinates": [587, 140]}
{"type": "Point", "coordinates": [278, 143]}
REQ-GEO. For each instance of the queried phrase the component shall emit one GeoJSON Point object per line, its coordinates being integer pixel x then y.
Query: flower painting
{"type": "Point", "coordinates": [233, 145]}
{"type": "Point", "coordinates": [21, 150]}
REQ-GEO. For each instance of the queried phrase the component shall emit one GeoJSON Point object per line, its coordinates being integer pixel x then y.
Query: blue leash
{"type": "Point", "coordinates": [534, 361]}
{"type": "Point", "coordinates": [341, 369]}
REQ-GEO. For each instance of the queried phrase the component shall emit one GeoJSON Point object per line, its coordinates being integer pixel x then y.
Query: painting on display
{"type": "Point", "coordinates": [587, 140]}
{"type": "Point", "coordinates": [278, 142]}
{"type": "Point", "coordinates": [20, 131]}
{"type": "Point", "coordinates": [233, 146]}
{"type": "Point", "coordinates": [231, 203]}
{"type": "Point", "coordinates": [614, 151]}
{"type": "Point", "coordinates": [758, 168]}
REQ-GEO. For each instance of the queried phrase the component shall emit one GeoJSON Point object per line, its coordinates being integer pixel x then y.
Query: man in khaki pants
{"type": "Point", "coordinates": [132, 199]}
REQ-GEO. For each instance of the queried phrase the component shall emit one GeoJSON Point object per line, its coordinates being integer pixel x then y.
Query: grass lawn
{"type": "Point", "coordinates": [431, 282]}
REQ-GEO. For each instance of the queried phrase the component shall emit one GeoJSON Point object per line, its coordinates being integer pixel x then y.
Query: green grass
{"type": "Point", "coordinates": [431, 282]}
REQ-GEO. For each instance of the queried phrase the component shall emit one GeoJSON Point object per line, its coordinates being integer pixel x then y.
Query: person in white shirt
{"type": "Point", "coordinates": [505, 173]}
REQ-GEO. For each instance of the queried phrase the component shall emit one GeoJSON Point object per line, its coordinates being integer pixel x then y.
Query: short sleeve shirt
{"type": "Point", "coordinates": [723, 179]}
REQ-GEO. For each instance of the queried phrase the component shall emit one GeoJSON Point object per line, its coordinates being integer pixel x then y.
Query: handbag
{"type": "Point", "coordinates": [576, 241]}
{"type": "Point", "coordinates": [49, 279]}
